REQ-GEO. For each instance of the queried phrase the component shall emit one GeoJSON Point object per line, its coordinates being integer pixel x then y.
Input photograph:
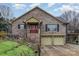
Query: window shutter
{"type": "Point", "coordinates": [24, 26]}
{"type": "Point", "coordinates": [57, 27]}
{"type": "Point", "coordinates": [18, 26]}
{"type": "Point", "coordinates": [46, 27]}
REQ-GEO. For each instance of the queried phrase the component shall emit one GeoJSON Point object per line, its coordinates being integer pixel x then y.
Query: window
{"type": "Point", "coordinates": [52, 27]}
{"type": "Point", "coordinates": [21, 26]}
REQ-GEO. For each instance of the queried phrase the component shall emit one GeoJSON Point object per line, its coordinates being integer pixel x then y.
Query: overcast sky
{"type": "Point", "coordinates": [55, 9]}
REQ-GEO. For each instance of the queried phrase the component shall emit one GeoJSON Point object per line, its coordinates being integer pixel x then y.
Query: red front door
{"type": "Point", "coordinates": [33, 33]}
{"type": "Point", "coordinates": [33, 28]}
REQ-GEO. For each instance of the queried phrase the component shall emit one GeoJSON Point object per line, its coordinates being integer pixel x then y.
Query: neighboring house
{"type": "Point", "coordinates": [39, 26]}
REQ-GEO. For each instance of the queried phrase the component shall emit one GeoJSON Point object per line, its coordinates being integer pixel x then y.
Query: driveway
{"type": "Point", "coordinates": [64, 50]}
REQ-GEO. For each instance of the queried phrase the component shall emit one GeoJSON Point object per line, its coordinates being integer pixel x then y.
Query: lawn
{"type": "Point", "coordinates": [12, 48]}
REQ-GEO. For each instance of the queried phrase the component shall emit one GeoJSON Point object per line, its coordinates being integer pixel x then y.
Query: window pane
{"type": "Point", "coordinates": [21, 26]}
{"type": "Point", "coordinates": [52, 27]}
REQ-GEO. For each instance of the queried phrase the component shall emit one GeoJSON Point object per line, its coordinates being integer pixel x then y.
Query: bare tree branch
{"type": "Point", "coordinates": [73, 18]}
{"type": "Point", "coordinates": [5, 11]}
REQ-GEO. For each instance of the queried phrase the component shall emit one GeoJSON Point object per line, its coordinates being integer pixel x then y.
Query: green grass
{"type": "Point", "coordinates": [21, 51]}
{"type": "Point", "coordinates": [7, 45]}
{"type": "Point", "coordinates": [11, 48]}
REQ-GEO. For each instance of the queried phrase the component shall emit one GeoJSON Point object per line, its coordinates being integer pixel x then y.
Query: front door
{"type": "Point", "coordinates": [33, 32]}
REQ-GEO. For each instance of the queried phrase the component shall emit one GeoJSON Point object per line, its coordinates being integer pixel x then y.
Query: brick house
{"type": "Point", "coordinates": [37, 25]}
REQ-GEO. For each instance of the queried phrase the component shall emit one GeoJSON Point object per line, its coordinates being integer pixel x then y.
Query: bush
{"type": "Point", "coordinates": [3, 33]}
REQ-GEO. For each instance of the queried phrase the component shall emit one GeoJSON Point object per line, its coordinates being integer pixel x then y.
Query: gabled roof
{"type": "Point", "coordinates": [41, 10]}
{"type": "Point", "coordinates": [32, 19]}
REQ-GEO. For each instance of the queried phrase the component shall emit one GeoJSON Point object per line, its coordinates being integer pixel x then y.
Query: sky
{"type": "Point", "coordinates": [55, 9]}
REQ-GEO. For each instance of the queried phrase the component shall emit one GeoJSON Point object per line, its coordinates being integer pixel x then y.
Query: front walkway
{"type": "Point", "coordinates": [64, 50]}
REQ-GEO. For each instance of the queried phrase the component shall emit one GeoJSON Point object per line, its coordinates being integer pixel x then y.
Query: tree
{"type": "Point", "coordinates": [5, 16]}
{"type": "Point", "coordinates": [3, 24]}
{"type": "Point", "coordinates": [71, 17]}
{"type": "Point", "coordinates": [5, 11]}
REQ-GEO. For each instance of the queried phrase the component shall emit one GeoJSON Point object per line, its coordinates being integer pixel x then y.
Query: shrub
{"type": "Point", "coordinates": [3, 33]}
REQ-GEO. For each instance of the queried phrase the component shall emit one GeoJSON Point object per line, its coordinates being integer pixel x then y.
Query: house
{"type": "Point", "coordinates": [39, 26]}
